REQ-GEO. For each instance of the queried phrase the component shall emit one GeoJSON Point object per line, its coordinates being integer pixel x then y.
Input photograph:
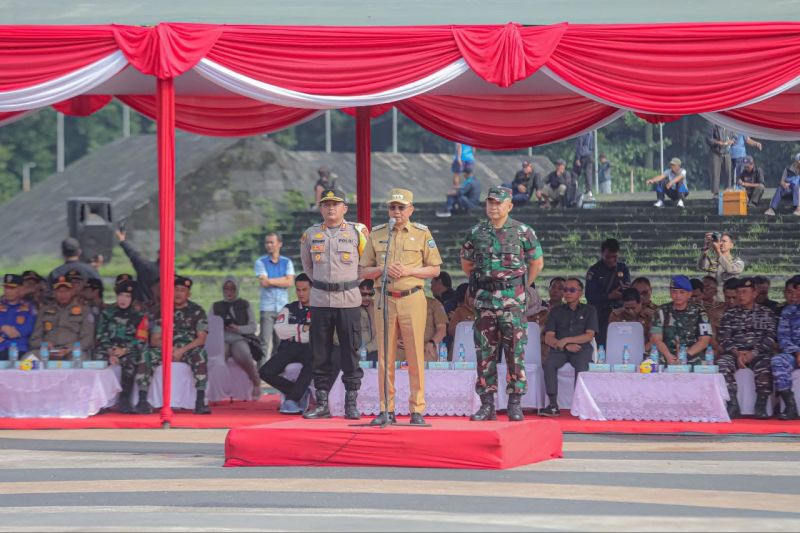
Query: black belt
{"type": "Point", "coordinates": [500, 285]}
{"type": "Point", "coordinates": [335, 287]}
{"type": "Point", "coordinates": [403, 294]}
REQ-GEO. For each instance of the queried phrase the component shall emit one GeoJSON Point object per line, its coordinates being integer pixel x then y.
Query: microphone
{"type": "Point", "coordinates": [392, 222]}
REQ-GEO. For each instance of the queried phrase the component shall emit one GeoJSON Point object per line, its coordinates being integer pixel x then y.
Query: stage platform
{"type": "Point", "coordinates": [229, 415]}
{"type": "Point", "coordinates": [448, 443]}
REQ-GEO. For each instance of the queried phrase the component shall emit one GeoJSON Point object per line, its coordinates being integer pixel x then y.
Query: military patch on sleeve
{"type": "Point", "coordinates": [431, 243]}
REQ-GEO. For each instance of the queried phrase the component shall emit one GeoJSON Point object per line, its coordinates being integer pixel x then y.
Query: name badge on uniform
{"type": "Point", "coordinates": [48, 326]}
{"type": "Point", "coordinates": [317, 247]}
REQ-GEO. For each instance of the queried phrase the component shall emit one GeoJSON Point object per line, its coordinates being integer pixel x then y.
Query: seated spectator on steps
{"type": "Point", "coordinates": [751, 178]}
{"type": "Point", "coordinates": [324, 182]}
{"type": "Point", "coordinates": [292, 327]}
{"type": "Point", "coordinates": [789, 187]}
{"type": "Point", "coordinates": [672, 183]}
{"type": "Point", "coordinates": [240, 327]}
{"type": "Point", "coordinates": [526, 182]}
{"type": "Point", "coordinates": [554, 189]}
{"type": "Point", "coordinates": [463, 198]}
{"type": "Point", "coordinates": [17, 317]}
{"type": "Point", "coordinates": [63, 322]}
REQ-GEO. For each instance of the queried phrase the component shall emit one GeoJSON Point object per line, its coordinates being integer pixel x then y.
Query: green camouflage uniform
{"type": "Point", "coordinates": [681, 328]}
{"type": "Point", "coordinates": [188, 322]}
{"type": "Point", "coordinates": [501, 255]}
{"type": "Point", "coordinates": [118, 328]}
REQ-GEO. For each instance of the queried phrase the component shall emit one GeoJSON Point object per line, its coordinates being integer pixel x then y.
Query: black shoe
{"type": "Point", "coordinates": [486, 411]}
{"type": "Point", "coordinates": [351, 405]}
{"type": "Point", "coordinates": [143, 407]}
{"type": "Point", "coordinates": [550, 410]}
{"type": "Point", "coordinates": [321, 410]}
{"type": "Point", "coordinates": [124, 405]}
{"type": "Point", "coordinates": [417, 419]}
{"type": "Point", "coordinates": [733, 408]}
{"type": "Point", "coordinates": [384, 419]}
{"type": "Point", "coordinates": [760, 411]}
{"type": "Point", "coordinates": [514, 410]}
{"type": "Point", "coordinates": [200, 407]}
{"type": "Point", "coordinates": [790, 410]}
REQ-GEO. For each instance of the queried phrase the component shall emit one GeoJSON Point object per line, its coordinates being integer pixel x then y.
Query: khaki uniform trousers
{"type": "Point", "coordinates": [407, 318]}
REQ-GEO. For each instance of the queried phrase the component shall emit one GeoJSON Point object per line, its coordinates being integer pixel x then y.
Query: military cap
{"type": "Point", "coordinates": [74, 274]}
{"type": "Point", "coordinates": [182, 281]}
{"type": "Point", "coordinates": [730, 284]}
{"type": "Point", "coordinates": [31, 275]}
{"type": "Point", "coordinates": [122, 277]}
{"type": "Point", "coordinates": [12, 280]}
{"type": "Point", "coordinates": [499, 193]}
{"type": "Point", "coordinates": [746, 282]}
{"type": "Point", "coordinates": [400, 196]}
{"type": "Point", "coordinates": [62, 281]}
{"type": "Point", "coordinates": [126, 286]}
{"type": "Point", "coordinates": [680, 282]}
{"type": "Point", "coordinates": [330, 195]}
{"type": "Point", "coordinates": [95, 283]}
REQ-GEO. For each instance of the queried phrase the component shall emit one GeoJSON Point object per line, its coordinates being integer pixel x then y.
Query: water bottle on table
{"type": "Point", "coordinates": [709, 358]}
{"type": "Point", "coordinates": [77, 354]}
{"type": "Point", "coordinates": [654, 358]}
{"type": "Point", "coordinates": [44, 355]}
{"type": "Point", "coordinates": [461, 356]}
{"type": "Point", "coordinates": [13, 354]}
{"type": "Point", "coordinates": [362, 353]}
{"type": "Point", "coordinates": [626, 355]}
{"type": "Point", "coordinates": [601, 355]}
{"type": "Point", "coordinates": [683, 357]}
{"type": "Point", "coordinates": [442, 352]}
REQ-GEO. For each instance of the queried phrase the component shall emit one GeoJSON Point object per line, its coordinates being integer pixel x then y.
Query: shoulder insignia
{"type": "Point", "coordinates": [379, 226]}
{"type": "Point", "coordinates": [303, 238]}
{"type": "Point", "coordinates": [417, 225]}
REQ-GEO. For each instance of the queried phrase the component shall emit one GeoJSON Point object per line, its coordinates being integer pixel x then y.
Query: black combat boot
{"type": "Point", "coordinates": [733, 408]}
{"type": "Point", "coordinates": [351, 405]}
{"type": "Point", "coordinates": [514, 410]}
{"type": "Point", "coordinates": [200, 407]}
{"type": "Point", "coordinates": [321, 410]}
{"type": "Point", "coordinates": [486, 411]}
{"type": "Point", "coordinates": [124, 403]}
{"type": "Point", "coordinates": [760, 411]}
{"type": "Point", "coordinates": [143, 407]}
{"type": "Point", "coordinates": [790, 411]}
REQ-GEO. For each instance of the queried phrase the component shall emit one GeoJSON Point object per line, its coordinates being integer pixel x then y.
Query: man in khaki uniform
{"type": "Point", "coordinates": [435, 330]}
{"type": "Point", "coordinates": [413, 258]}
{"type": "Point", "coordinates": [330, 252]}
{"type": "Point", "coordinates": [63, 322]}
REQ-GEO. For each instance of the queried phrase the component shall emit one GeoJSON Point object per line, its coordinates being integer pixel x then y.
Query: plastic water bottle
{"type": "Point", "coordinates": [44, 355]}
{"type": "Point", "coordinates": [601, 355]}
{"type": "Point", "coordinates": [461, 356]}
{"type": "Point", "coordinates": [362, 353]}
{"type": "Point", "coordinates": [626, 355]}
{"type": "Point", "coordinates": [654, 358]}
{"type": "Point", "coordinates": [709, 359]}
{"type": "Point", "coordinates": [76, 355]}
{"type": "Point", "coordinates": [13, 354]}
{"type": "Point", "coordinates": [683, 357]}
{"type": "Point", "coordinates": [442, 352]}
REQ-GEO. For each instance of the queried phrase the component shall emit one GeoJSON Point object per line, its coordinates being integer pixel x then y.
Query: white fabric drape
{"type": "Point", "coordinates": [65, 87]}
{"type": "Point", "coordinates": [20, 116]}
{"type": "Point", "coordinates": [273, 94]}
{"type": "Point", "coordinates": [761, 132]}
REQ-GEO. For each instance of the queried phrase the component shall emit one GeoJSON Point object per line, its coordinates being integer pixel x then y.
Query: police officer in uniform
{"type": "Point", "coordinates": [413, 258]}
{"type": "Point", "coordinates": [121, 335]}
{"type": "Point", "coordinates": [747, 336]}
{"type": "Point", "coordinates": [63, 322]}
{"type": "Point", "coordinates": [330, 252]}
{"type": "Point", "coordinates": [17, 317]}
{"type": "Point", "coordinates": [605, 281]}
{"type": "Point", "coordinates": [499, 256]}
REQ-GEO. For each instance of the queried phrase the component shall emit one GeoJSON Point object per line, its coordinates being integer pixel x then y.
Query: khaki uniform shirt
{"type": "Point", "coordinates": [643, 317]}
{"type": "Point", "coordinates": [63, 326]}
{"type": "Point", "coordinates": [412, 246]}
{"type": "Point", "coordinates": [436, 316]}
{"type": "Point", "coordinates": [331, 255]}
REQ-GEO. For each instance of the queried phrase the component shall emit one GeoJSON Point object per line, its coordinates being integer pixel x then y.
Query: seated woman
{"type": "Point", "coordinates": [239, 319]}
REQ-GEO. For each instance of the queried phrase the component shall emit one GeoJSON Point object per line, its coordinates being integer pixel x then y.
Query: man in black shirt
{"type": "Point", "coordinates": [569, 331]}
{"type": "Point", "coordinates": [751, 178]}
{"type": "Point", "coordinates": [555, 186]}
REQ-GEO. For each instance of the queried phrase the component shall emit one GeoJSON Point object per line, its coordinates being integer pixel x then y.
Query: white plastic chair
{"type": "Point", "coordinates": [226, 379]}
{"type": "Point", "coordinates": [621, 334]}
{"type": "Point", "coordinates": [183, 391]}
{"type": "Point", "coordinates": [464, 336]}
{"type": "Point", "coordinates": [746, 392]}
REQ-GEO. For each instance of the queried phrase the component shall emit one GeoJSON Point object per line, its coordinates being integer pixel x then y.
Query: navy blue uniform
{"type": "Point", "coordinates": [600, 281]}
{"type": "Point", "coordinates": [22, 316]}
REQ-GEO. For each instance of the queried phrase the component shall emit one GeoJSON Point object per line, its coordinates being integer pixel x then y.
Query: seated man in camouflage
{"type": "Point", "coordinates": [121, 335]}
{"type": "Point", "coordinates": [189, 334]}
{"type": "Point", "coordinates": [63, 322]}
{"type": "Point", "coordinates": [747, 338]}
{"type": "Point", "coordinates": [680, 324]}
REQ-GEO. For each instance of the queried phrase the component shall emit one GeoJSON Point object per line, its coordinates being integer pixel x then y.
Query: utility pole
{"type": "Point", "coordinates": [59, 142]}
{"type": "Point", "coordinates": [26, 176]}
{"type": "Point", "coordinates": [328, 131]}
{"type": "Point", "coordinates": [126, 121]}
{"type": "Point", "coordinates": [394, 130]}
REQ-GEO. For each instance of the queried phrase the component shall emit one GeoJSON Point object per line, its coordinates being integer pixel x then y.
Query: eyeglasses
{"type": "Point", "coordinates": [367, 293]}
{"type": "Point", "coordinates": [397, 207]}
{"type": "Point", "coordinates": [571, 289]}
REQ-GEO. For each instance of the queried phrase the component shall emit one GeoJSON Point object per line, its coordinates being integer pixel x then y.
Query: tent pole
{"type": "Point", "coordinates": [59, 142]}
{"type": "Point", "coordinates": [328, 143]}
{"type": "Point", "coordinates": [363, 166]}
{"type": "Point", "coordinates": [596, 165]}
{"type": "Point", "coordinates": [661, 142]}
{"type": "Point", "coordinates": [394, 130]}
{"type": "Point", "coordinates": [166, 211]}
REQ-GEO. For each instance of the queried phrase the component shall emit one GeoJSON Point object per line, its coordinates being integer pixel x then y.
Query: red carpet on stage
{"type": "Point", "coordinates": [449, 443]}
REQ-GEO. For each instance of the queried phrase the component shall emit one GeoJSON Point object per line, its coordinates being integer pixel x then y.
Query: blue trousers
{"type": "Point", "coordinates": [462, 201]}
{"type": "Point", "coordinates": [782, 366]}
{"type": "Point", "coordinates": [781, 193]}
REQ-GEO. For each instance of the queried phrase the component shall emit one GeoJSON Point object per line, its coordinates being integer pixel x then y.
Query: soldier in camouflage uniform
{"type": "Point", "coordinates": [747, 339]}
{"type": "Point", "coordinates": [497, 255]}
{"type": "Point", "coordinates": [788, 360]}
{"type": "Point", "coordinates": [680, 323]}
{"type": "Point", "coordinates": [188, 340]}
{"type": "Point", "coordinates": [121, 335]}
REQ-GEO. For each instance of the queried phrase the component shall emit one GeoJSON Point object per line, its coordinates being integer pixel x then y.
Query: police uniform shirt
{"type": "Point", "coordinates": [412, 246]}
{"type": "Point", "coordinates": [565, 322]}
{"type": "Point", "coordinates": [331, 255]}
{"type": "Point", "coordinates": [62, 326]}
{"type": "Point", "coordinates": [22, 317]}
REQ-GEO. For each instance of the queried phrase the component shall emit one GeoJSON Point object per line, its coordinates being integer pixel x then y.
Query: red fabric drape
{"type": "Point", "coordinates": [364, 166]}
{"type": "Point", "coordinates": [223, 116]}
{"type": "Point", "coordinates": [84, 105]}
{"type": "Point", "coordinates": [374, 110]}
{"type": "Point", "coordinates": [167, 50]}
{"type": "Point", "coordinates": [678, 69]}
{"type": "Point", "coordinates": [508, 122]}
{"type": "Point", "coordinates": [30, 55]}
{"type": "Point", "coordinates": [9, 117]}
{"type": "Point", "coordinates": [780, 112]}
{"type": "Point", "coordinates": [506, 54]}
{"type": "Point", "coordinates": [166, 211]}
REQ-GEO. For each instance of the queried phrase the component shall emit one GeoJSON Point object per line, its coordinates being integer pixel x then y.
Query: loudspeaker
{"type": "Point", "coordinates": [89, 220]}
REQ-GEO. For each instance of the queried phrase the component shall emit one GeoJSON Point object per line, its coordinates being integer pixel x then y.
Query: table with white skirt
{"type": "Point", "coordinates": [67, 393]}
{"type": "Point", "coordinates": [668, 397]}
{"type": "Point", "coordinates": [447, 392]}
